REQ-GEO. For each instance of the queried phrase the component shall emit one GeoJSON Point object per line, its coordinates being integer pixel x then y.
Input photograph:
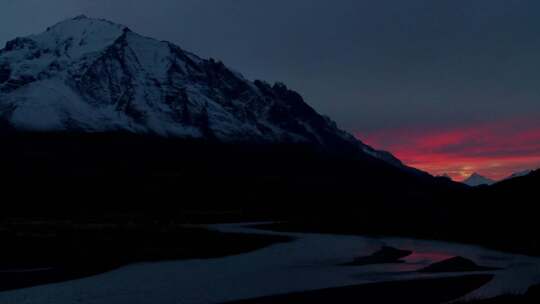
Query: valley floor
{"type": "Point", "coordinates": [310, 268]}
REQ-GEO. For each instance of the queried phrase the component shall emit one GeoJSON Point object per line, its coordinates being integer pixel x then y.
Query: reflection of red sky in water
{"type": "Point", "coordinates": [495, 150]}
{"type": "Point", "coordinates": [419, 260]}
{"type": "Point", "coordinates": [427, 257]}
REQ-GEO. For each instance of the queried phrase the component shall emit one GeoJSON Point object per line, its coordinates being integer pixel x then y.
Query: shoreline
{"type": "Point", "coordinates": [421, 291]}
{"type": "Point", "coordinates": [213, 242]}
{"type": "Point", "coordinates": [297, 227]}
{"type": "Point", "coordinates": [33, 258]}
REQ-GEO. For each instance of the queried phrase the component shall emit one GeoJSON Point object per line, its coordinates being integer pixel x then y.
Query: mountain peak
{"type": "Point", "coordinates": [77, 36]}
{"type": "Point", "coordinates": [86, 22]}
{"type": "Point", "coordinates": [477, 179]}
{"type": "Point", "coordinates": [80, 17]}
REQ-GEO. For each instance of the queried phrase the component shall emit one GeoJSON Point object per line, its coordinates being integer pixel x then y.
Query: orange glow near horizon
{"type": "Point", "coordinates": [493, 150]}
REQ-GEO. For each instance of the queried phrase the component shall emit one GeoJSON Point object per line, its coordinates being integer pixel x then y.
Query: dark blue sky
{"type": "Point", "coordinates": [376, 67]}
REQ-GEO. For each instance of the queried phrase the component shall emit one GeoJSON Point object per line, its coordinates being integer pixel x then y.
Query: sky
{"type": "Point", "coordinates": [448, 86]}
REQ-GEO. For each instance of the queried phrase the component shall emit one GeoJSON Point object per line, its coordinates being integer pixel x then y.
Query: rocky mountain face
{"type": "Point", "coordinates": [88, 75]}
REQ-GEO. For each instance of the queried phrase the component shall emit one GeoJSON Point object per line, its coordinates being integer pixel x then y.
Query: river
{"type": "Point", "coordinates": [309, 262]}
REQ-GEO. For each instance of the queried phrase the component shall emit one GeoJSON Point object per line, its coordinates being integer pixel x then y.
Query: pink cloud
{"type": "Point", "coordinates": [495, 150]}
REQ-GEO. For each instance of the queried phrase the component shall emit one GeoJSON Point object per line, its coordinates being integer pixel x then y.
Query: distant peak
{"type": "Point", "coordinates": [476, 174]}
{"type": "Point", "coordinates": [476, 180]}
{"type": "Point", "coordinates": [81, 17]}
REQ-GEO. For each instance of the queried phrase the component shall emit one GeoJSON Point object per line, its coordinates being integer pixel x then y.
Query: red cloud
{"type": "Point", "coordinates": [495, 150]}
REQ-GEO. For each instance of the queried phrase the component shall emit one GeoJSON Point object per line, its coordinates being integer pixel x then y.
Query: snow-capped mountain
{"type": "Point", "coordinates": [478, 180]}
{"type": "Point", "coordinates": [90, 75]}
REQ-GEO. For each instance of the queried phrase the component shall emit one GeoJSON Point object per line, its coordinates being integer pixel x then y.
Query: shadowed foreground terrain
{"type": "Point", "coordinates": [106, 173]}
{"type": "Point", "coordinates": [531, 297]}
{"type": "Point", "coordinates": [106, 200]}
{"type": "Point", "coordinates": [40, 251]}
{"type": "Point", "coordinates": [429, 291]}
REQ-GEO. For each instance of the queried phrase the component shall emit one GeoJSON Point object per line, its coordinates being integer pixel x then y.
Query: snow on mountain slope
{"type": "Point", "coordinates": [519, 174]}
{"type": "Point", "coordinates": [478, 180]}
{"type": "Point", "coordinates": [91, 75]}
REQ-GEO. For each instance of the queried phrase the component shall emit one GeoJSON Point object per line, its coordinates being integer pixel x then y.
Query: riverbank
{"type": "Point", "coordinates": [41, 251]}
{"type": "Point", "coordinates": [425, 291]}
{"type": "Point", "coordinates": [382, 229]}
{"type": "Point", "coordinates": [310, 262]}
{"type": "Point", "coordinates": [531, 297]}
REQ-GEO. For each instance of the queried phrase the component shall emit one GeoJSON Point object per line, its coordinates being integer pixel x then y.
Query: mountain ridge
{"type": "Point", "coordinates": [519, 174]}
